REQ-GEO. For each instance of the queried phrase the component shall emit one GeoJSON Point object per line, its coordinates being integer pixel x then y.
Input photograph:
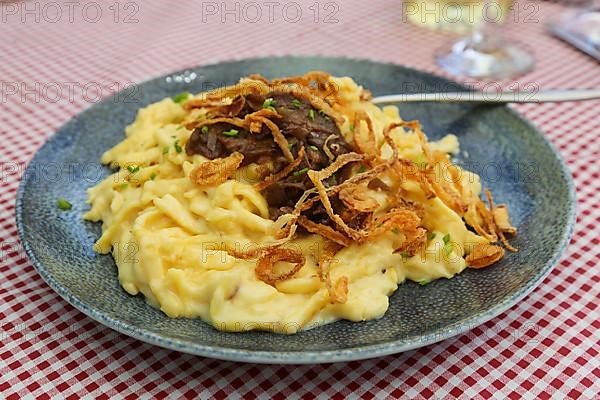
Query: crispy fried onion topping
{"type": "Point", "coordinates": [368, 146]}
{"type": "Point", "coordinates": [493, 211]}
{"type": "Point", "coordinates": [216, 97]}
{"type": "Point", "coordinates": [233, 121]}
{"type": "Point", "coordinates": [325, 231]}
{"type": "Point", "coordinates": [216, 171]}
{"type": "Point", "coordinates": [317, 178]}
{"type": "Point", "coordinates": [402, 219]}
{"type": "Point", "coordinates": [484, 255]}
{"type": "Point", "coordinates": [502, 220]}
{"type": "Point", "coordinates": [357, 198]}
{"type": "Point", "coordinates": [338, 290]}
{"type": "Point", "coordinates": [355, 218]}
{"type": "Point", "coordinates": [317, 83]}
{"type": "Point", "coordinates": [266, 269]}
{"type": "Point", "coordinates": [414, 240]}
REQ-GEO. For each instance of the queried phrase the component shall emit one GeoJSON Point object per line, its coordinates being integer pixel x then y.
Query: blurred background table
{"type": "Point", "coordinates": [547, 346]}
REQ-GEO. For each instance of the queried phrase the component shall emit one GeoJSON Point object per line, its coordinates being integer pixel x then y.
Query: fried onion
{"type": "Point", "coordinates": [484, 255]}
{"type": "Point", "coordinates": [326, 231]}
{"type": "Point", "coordinates": [338, 290]}
{"type": "Point", "coordinates": [356, 197]}
{"type": "Point", "coordinates": [265, 266]}
{"type": "Point", "coordinates": [318, 176]}
{"type": "Point", "coordinates": [216, 171]}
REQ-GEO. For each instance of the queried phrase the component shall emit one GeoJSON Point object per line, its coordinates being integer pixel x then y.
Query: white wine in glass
{"type": "Point", "coordinates": [482, 54]}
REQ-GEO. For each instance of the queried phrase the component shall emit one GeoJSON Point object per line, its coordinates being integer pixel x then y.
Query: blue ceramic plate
{"type": "Point", "coordinates": [514, 160]}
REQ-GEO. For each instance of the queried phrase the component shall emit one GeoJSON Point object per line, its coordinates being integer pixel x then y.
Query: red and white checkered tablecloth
{"type": "Point", "coordinates": [56, 56]}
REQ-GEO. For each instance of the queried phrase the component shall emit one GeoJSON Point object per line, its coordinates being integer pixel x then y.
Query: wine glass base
{"type": "Point", "coordinates": [496, 60]}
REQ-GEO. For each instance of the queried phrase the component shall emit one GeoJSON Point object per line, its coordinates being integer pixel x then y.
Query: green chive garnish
{"type": "Point", "coordinates": [231, 132]}
{"type": "Point", "coordinates": [311, 114]}
{"type": "Point", "coordinates": [405, 254]}
{"type": "Point", "coordinates": [351, 127]}
{"type": "Point", "coordinates": [362, 169]}
{"type": "Point", "coordinates": [165, 149]}
{"type": "Point", "coordinates": [181, 97]}
{"type": "Point", "coordinates": [133, 168]}
{"type": "Point", "coordinates": [178, 148]}
{"type": "Point", "coordinates": [179, 127]}
{"type": "Point", "coordinates": [64, 204]}
{"type": "Point", "coordinates": [447, 244]}
{"type": "Point", "coordinates": [152, 176]}
{"type": "Point", "coordinates": [431, 236]}
{"type": "Point", "coordinates": [290, 145]}
{"type": "Point", "coordinates": [269, 103]}
{"type": "Point", "coordinates": [448, 249]}
{"type": "Point", "coordinates": [204, 129]}
{"type": "Point", "coordinates": [314, 148]}
{"type": "Point", "coordinates": [446, 239]}
{"type": "Point", "coordinates": [423, 283]}
{"type": "Point", "coordinates": [296, 103]}
{"type": "Point", "coordinates": [124, 185]}
{"type": "Point", "coordinates": [301, 172]}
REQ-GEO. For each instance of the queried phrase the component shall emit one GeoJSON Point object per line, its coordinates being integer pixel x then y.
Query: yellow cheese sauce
{"type": "Point", "coordinates": [164, 232]}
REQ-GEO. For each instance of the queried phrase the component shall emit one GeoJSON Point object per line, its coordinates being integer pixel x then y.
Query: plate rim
{"type": "Point", "coordinates": [300, 356]}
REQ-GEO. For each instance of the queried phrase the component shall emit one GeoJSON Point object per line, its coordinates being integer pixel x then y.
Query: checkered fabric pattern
{"type": "Point", "coordinates": [58, 57]}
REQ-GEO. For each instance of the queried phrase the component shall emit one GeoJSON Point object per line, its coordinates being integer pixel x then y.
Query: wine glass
{"type": "Point", "coordinates": [485, 53]}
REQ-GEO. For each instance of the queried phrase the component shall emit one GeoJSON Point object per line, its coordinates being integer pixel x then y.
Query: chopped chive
{"type": "Point", "coordinates": [311, 114]}
{"type": "Point", "coordinates": [296, 103]}
{"type": "Point", "coordinates": [269, 103]}
{"type": "Point", "coordinates": [290, 145]}
{"type": "Point", "coordinates": [124, 185]}
{"type": "Point", "coordinates": [181, 97]}
{"type": "Point", "coordinates": [314, 148]}
{"type": "Point", "coordinates": [64, 204]}
{"type": "Point", "coordinates": [133, 168]}
{"type": "Point", "coordinates": [362, 169]}
{"type": "Point", "coordinates": [301, 172]}
{"type": "Point", "coordinates": [180, 127]}
{"type": "Point", "coordinates": [200, 117]}
{"type": "Point", "coordinates": [448, 249]}
{"type": "Point", "coordinates": [152, 176]}
{"type": "Point", "coordinates": [178, 148]}
{"type": "Point", "coordinates": [431, 236]}
{"type": "Point", "coordinates": [165, 149]}
{"type": "Point", "coordinates": [447, 244]}
{"type": "Point", "coordinates": [446, 239]}
{"type": "Point", "coordinates": [231, 132]}
{"type": "Point", "coordinates": [351, 127]}
{"type": "Point", "coordinates": [173, 136]}
{"type": "Point", "coordinates": [204, 129]}
{"type": "Point", "coordinates": [423, 283]}
{"type": "Point", "coordinates": [405, 254]}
